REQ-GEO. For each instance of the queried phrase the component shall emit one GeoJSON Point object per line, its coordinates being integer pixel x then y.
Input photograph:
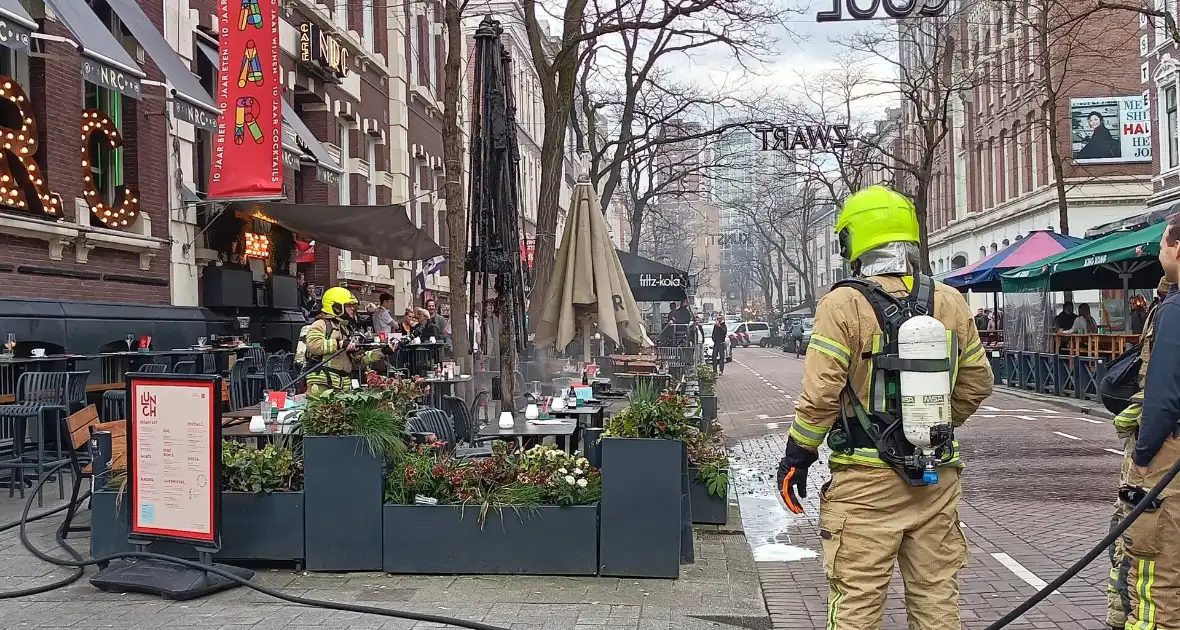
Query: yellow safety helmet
{"type": "Point", "coordinates": [875, 216]}
{"type": "Point", "coordinates": [335, 300]}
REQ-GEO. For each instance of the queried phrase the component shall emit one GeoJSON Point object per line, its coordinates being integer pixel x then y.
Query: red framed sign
{"type": "Point", "coordinates": [174, 457]}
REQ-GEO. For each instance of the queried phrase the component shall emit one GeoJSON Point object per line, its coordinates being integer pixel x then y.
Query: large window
{"type": "Point", "coordinates": [106, 162]}
{"type": "Point", "coordinates": [1170, 114]}
{"type": "Point", "coordinates": [203, 148]}
{"type": "Point", "coordinates": [371, 158]}
{"type": "Point", "coordinates": [340, 14]}
{"type": "Point", "coordinates": [367, 30]}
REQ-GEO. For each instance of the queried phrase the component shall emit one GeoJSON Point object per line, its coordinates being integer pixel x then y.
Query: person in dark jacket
{"type": "Point", "coordinates": [720, 336]}
{"type": "Point", "coordinates": [1151, 559]}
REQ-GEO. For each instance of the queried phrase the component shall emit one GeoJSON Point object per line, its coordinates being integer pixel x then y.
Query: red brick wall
{"type": "Point", "coordinates": [56, 95]}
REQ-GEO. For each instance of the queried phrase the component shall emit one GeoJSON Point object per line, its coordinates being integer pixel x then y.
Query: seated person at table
{"type": "Point", "coordinates": [426, 327]}
{"type": "Point", "coordinates": [1065, 319]}
{"type": "Point", "coordinates": [327, 336]}
{"type": "Point", "coordinates": [1084, 324]}
{"type": "Point", "coordinates": [408, 322]}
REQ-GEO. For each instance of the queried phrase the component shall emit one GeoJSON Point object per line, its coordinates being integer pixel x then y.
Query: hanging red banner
{"type": "Point", "coordinates": [248, 143]}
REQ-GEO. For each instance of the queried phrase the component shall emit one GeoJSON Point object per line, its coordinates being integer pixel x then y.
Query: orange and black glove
{"type": "Point", "coordinates": [792, 475]}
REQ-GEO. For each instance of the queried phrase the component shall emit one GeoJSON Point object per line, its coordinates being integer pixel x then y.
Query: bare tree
{"type": "Point", "coordinates": [454, 192]}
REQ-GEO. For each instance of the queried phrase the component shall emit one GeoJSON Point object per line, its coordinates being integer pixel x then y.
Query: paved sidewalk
{"type": "Point", "coordinates": [1038, 491]}
{"type": "Point", "coordinates": [720, 591]}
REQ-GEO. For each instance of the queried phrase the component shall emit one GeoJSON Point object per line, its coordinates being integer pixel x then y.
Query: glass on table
{"type": "Point", "coordinates": [130, 339]}
{"type": "Point", "coordinates": [9, 343]}
{"type": "Point", "coordinates": [201, 342]}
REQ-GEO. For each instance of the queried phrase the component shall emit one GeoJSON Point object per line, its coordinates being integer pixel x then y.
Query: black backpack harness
{"type": "Point", "coordinates": [880, 425]}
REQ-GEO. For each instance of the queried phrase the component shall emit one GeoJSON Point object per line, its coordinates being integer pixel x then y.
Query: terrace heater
{"type": "Point", "coordinates": [494, 259]}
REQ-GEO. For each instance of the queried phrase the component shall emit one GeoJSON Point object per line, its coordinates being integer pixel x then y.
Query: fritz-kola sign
{"type": "Point", "coordinates": [895, 9]}
{"type": "Point", "coordinates": [661, 280]}
{"type": "Point", "coordinates": [803, 137]}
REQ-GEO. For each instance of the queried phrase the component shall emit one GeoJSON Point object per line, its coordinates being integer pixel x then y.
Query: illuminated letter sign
{"type": "Point", "coordinates": [21, 142]}
{"type": "Point", "coordinates": [122, 211]}
{"type": "Point", "coordinates": [804, 137]}
{"type": "Point", "coordinates": [896, 9]}
{"type": "Point", "coordinates": [321, 49]}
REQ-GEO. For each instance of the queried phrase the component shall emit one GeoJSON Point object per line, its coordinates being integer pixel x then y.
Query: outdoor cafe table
{"type": "Point", "coordinates": [440, 387]}
{"type": "Point", "coordinates": [1096, 345]}
{"type": "Point", "coordinates": [584, 415]}
{"type": "Point", "coordinates": [523, 429]}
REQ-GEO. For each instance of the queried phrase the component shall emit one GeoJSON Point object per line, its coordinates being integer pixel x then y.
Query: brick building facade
{"type": "Point", "coordinates": [993, 179]}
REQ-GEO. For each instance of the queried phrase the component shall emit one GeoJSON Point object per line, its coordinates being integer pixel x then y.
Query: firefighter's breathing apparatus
{"type": "Point", "coordinates": [924, 382]}
{"type": "Point", "coordinates": [78, 564]}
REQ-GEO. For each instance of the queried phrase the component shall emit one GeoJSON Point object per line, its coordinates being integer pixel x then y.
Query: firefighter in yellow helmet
{"type": "Point", "coordinates": [327, 335]}
{"type": "Point", "coordinates": [893, 366]}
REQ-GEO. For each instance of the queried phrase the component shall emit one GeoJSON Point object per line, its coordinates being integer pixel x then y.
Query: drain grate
{"type": "Point", "coordinates": [750, 623]}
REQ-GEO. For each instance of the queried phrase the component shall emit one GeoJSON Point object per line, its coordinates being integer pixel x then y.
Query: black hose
{"type": "Point", "coordinates": [79, 563]}
{"type": "Point", "coordinates": [1140, 508]}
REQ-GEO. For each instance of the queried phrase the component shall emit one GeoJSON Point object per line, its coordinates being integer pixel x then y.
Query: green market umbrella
{"type": "Point", "coordinates": [1122, 260]}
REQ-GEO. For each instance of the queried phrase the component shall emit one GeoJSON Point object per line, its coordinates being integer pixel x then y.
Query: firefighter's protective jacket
{"type": "Point", "coordinates": [843, 337]}
{"type": "Point", "coordinates": [338, 372]}
{"type": "Point", "coordinates": [1126, 424]}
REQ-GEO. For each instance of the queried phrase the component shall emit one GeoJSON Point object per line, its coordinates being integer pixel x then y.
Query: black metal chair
{"type": "Point", "coordinates": [185, 367]}
{"type": "Point", "coordinates": [208, 363]}
{"type": "Point", "coordinates": [465, 428]}
{"type": "Point", "coordinates": [478, 404]}
{"type": "Point", "coordinates": [114, 405]}
{"type": "Point", "coordinates": [239, 385]}
{"type": "Point", "coordinates": [282, 381]}
{"type": "Point", "coordinates": [153, 368]}
{"type": "Point", "coordinates": [40, 396]}
{"type": "Point", "coordinates": [436, 422]}
{"type": "Point", "coordinates": [274, 365]}
{"type": "Point", "coordinates": [76, 389]}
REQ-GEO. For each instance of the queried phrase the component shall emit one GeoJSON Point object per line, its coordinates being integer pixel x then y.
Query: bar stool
{"type": "Point", "coordinates": [40, 396]}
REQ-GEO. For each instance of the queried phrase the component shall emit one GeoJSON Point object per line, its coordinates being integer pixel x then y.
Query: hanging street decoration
{"type": "Point", "coordinates": [803, 137]}
{"type": "Point", "coordinates": [248, 143]}
{"type": "Point", "coordinates": [894, 9]}
{"type": "Point", "coordinates": [120, 212]}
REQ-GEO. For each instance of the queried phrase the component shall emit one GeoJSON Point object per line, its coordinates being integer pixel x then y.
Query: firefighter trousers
{"type": "Point", "coordinates": [1118, 600]}
{"type": "Point", "coordinates": [871, 519]}
{"type": "Point", "coordinates": [1151, 564]}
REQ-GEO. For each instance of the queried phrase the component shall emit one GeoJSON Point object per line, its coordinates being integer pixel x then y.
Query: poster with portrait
{"type": "Point", "coordinates": [1110, 130]}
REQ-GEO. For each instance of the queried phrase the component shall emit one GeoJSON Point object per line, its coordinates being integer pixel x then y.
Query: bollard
{"type": "Point", "coordinates": [592, 445]}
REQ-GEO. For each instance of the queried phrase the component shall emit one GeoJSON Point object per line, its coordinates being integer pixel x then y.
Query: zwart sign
{"type": "Point", "coordinates": [896, 9]}
{"type": "Point", "coordinates": [662, 280]}
{"type": "Point", "coordinates": [803, 137]}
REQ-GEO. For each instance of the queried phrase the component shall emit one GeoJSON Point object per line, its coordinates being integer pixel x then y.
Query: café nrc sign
{"type": "Point", "coordinates": [322, 50]}
{"type": "Point", "coordinates": [894, 9]}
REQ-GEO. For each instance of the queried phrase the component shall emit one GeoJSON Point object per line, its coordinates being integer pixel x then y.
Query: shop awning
{"type": "Point", "coordinates": [104, 62]}
{"type": "Point", "coordinates": [1123, 259]}
{"type": "Point", "coordinates": [653, 281]}
{"type": "Point", "coordinates": [299, 143]}
{"type": "Point", "coordinates": [15, 25]}
{"type": "Point", "coordinates": [1154, 214]}
{"type": "Point", "coordinates": [383, 231]}
{"type": "Point", "coordinates": [191, 103]}
{"type": "Point", "coordinates": [985, 274]}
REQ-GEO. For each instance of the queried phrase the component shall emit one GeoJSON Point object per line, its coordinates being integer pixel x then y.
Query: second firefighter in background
{"type": "Point", "coordinates": [330, 347]}
{"type": "Point", "coordinates": [876, 512]}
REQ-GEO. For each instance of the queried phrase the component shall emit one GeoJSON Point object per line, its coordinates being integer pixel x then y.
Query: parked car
{"type": "Point", "coordinates": [707, 347]}
{"type": "Point", "coordinates": [750, 333]}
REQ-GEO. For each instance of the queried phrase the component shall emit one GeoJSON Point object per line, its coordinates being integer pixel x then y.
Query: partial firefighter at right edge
{"type": "Point", "coordinates": [894, 365]}
{"type": "Point", "coordinates": [1151, 545]}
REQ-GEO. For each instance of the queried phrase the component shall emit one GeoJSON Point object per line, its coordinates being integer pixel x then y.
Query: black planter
{"type": "Point", "coordinates": [342, 486]}
{"type": "Point", "coordinates": [707, 509]}
{"type": "Point", "coordinates": [709, 406]}
{"type": "Point", "coordinates": [254, 527]}
{"type": "Point", "coordinates": [450, 539]}
{"type": "Point", "coordinates": [641, 519]}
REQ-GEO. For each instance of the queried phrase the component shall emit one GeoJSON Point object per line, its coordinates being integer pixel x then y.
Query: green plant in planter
{"type": "Point", "coordinates": [651, 415]}
{"type": "Point", "coordinates": [371, 413]}
{"type": "Point", "coordinates": [245, 468]}
{"type": "Point", "coordinates": [707, 379]}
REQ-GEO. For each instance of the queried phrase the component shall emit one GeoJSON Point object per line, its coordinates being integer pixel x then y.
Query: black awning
{"type": "Point", "coordinates": [384, 231]}
{"type": "Point", "coordinates": [104, 62]}
{"type": "Point", "coordinates": [15, 25]}
{"type": "Point", "coordinates": [653, 281]}
{"type": "Point", "coordinates": [191, 103]}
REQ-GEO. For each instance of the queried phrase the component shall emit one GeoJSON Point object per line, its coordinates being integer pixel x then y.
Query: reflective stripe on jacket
{"type": "Point", "coordinates": [339, 371]}
{"type": "Point", "coordinates": [845, 332]}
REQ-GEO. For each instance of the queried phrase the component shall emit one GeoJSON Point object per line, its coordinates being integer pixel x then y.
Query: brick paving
{"type": "Point", "coordinates": [1039, 487]}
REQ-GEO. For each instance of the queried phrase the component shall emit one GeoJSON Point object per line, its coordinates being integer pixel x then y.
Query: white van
{"type": "Point", "coordinates": [752, 333]}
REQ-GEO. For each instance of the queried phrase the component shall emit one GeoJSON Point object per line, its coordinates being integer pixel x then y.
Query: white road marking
{"type": "Point", "coordinates": [1020, 571]}
{"type": "Point", "coordinates": [1090, 420]}
{"type": "Point", "coordinates": [1047, 411]}
{"type": "Point", "coordinates": [986, 408]}
{"type": "Point", "coordinates": [1115, 451]}
{"type": "Point", "coordinates": [772, 425]}
{"type": "Point", "coordinates": [1066, 435]}
{"type": "Point", "coordinates": [1025, 417]}
{"type": "Point", "coordinates": [761, 416]}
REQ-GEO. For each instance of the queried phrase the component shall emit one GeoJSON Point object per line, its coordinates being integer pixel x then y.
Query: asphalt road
{"type": "Point", "coordinates": [1039, 488]}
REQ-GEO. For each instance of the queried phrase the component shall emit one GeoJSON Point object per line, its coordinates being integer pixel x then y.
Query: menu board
{"type": "Point", "coordinates": [173, 455]}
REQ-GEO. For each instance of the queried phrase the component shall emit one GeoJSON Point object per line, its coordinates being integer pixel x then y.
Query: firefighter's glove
{"type": "Point", "coordinates": [792, 475]}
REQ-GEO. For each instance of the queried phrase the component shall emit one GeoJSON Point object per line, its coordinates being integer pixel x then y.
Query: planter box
{"type": "Point", "coordinates": [642, 514]}
{"type": "Point", "coordinates": [709, 407]}
{"type": "Point", "coordinates": [343, 489]}
{"type": "Point", "coordinates": [707, 509]}
{"type": "Point", "coordinates": [449, 539]}
{"type": "Point", "coordinates": [254, 528]}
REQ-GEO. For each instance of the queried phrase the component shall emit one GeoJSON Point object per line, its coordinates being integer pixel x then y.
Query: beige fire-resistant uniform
{"type": "Point", "coordinates": [870, 517]}
{"type": "Point", "coordinates": [1126, 424]}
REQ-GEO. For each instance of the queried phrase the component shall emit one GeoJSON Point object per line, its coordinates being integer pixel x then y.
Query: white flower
{"type": "Point", "coordinates": [582, 483]}
{"type": "Point", "coordinates": [578, 471]}
{"type": "Point", "coordinates": [563, 471]}
{"type": "Point", "coordinates": [551, 453]}
{"type": "Point", "coordinates": [569, 480]}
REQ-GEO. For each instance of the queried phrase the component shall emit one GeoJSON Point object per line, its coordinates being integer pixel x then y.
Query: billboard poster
{"type": "Point", "coordinates": [1110, 130]}
{"type": "Point", "coordinates": [248, 143]}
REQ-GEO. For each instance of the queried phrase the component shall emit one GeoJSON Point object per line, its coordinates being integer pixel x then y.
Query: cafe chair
{"type": "Point", "coordinates": [430, 421]}
{"type": "Point", "coordinates": [480, 401]}
{"type": "Point", "coordinates": [76, 390]}
{"type": "Point", "coordinates": [208, 363]}
{"type": "Point", "coordinates": [282, 381]}
{"type": "Point", "coordinates": [185, 367]}
{"type": "Point", "coordinates": [153, 368]}
{"type": "Point", "coordinates": [561, 384]}
{"type": "Point", "coordinates": [40, 396]}
{"type": "Point", "coordinates": [114, 405]}
{"type": "Point", "coordinates": [239, 385]}
{"type": "Point", "coordinates": [465, 426]}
